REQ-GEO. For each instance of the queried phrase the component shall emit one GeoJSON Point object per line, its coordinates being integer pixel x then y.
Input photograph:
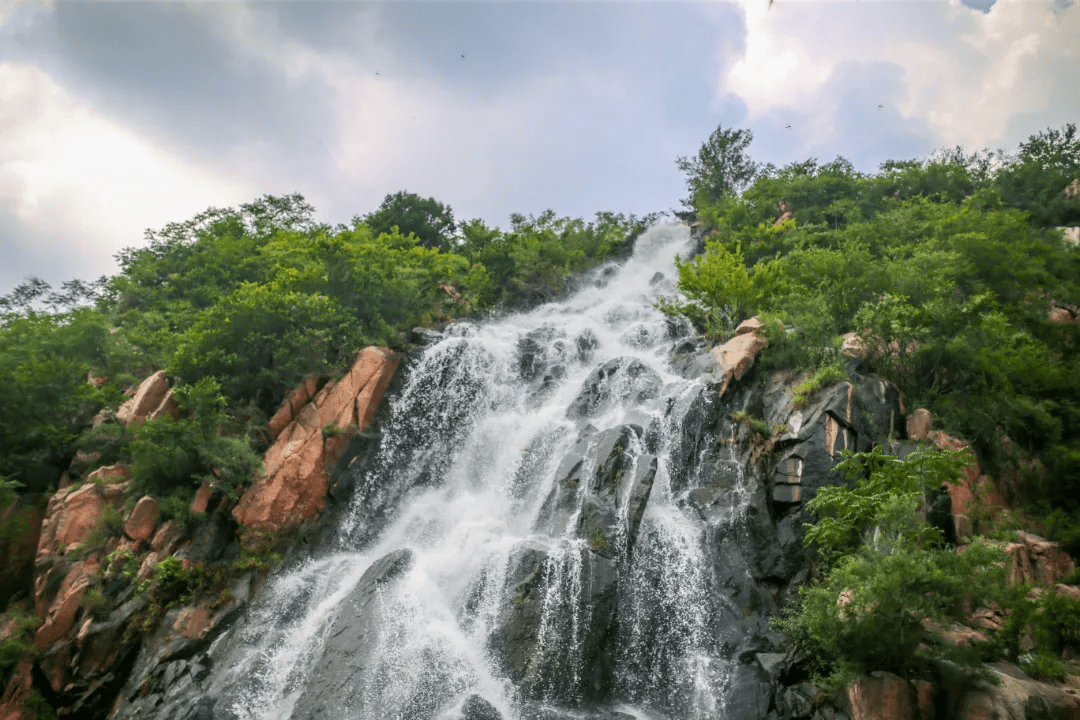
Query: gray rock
{"type": "Point", "coordinates": [622, 380]}
{"type": "Point", "coordinates": [477, 708]}
{"type": "Point", "coordinates": [338, 675]}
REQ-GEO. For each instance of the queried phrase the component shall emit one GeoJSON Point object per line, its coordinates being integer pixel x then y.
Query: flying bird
{"type": "Point", "coordinates": [462, 57]}
{"type": "Point", "coordinates": [376, 72]}
{"type": "Point", "coordinates": [787, 126]}
{"type": "Point", "coordinates": [880, 106]}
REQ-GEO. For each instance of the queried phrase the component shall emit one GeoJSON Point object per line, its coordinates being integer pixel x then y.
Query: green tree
{"type": "Point", "coordinates": [721, 167]}
{"type": "Point", "coordinates": [427, 218]}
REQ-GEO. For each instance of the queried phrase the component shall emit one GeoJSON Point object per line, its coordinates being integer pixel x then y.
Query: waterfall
{"type": "Point", "coordinates": [532, 554]}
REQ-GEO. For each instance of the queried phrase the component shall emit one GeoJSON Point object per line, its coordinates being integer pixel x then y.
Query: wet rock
{"type": "Point", "coordinates": [338, 675]}
{"type": "Point", "coordinates": [535, 352]}
{"type": "Point", "coordinates": [574, 663]}
{"type": "Point", "coordinates": [295, 481]}
{"type": "Point", "coordinates": [656, 279]}
{"type": "Point", "coordinates": [622, 380]}
{"type": "Point", "coordinates": [586, 344]}
{"type": "Point", "coordinates": [477, 708]}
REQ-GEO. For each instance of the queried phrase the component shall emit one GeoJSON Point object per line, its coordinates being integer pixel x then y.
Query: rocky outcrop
{"type": "Point", "coordinates": [596, 502]}
{"type": "Point", "coordinates": [919, 424]}
{"type": "Point", "coordinates": [736, 356]}
{"type": "Point", "coordinates": [142, 521]}
{"type": "Point", "coordinates": [150, 400]}
{"type": "Point", "coordinates": [623, 380]}
{"type": "Point", "coordinates": [976, 492]}
{"type": "Point", "coordinates": [1015, 697]}
{"type": "Point", "coordinates": [884, 696]}
{"type": "Point", "coordinates": [296, 468]}
{"type": "Point", "coordinates": [1037, 561]}
{"type": "Point", "coordinates": [352, 642]}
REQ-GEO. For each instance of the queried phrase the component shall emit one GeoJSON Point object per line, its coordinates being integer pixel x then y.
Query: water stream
{"type": "Point", "coordinates": [470, 462]}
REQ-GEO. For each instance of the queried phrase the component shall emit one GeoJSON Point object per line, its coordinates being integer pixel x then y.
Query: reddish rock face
{"type": "Point", "coordinates": [192, 621]}
{"type": "Point", "coordinates": [151, 400]}
{"type": "Point", "coordinates": [201, 501]}
{"type": "Point", "coordinates": [749, 326]}
{"type": "Point", "coordinates": [919, 424]}
{"type": "Point", "coordinates": [1037, 561]}
{"type": "Point", "coordinates": [167, 537]}
{"type": "Point", "coordinates": [143, 519]}
{"type": "Point", "coordinates": [971, 484]}
{"type": "Point", "coordinates": [292, 405]}
{"type": "Point", "coordinates": [16, 691]}
{"type": "Point", "coordinates": [1061, 315]}
{"type": "Point", "coordinates": [110, 474]}
{"type": "Point", "coordinates": [295, 480]}
{"type": "Point", "coordinates": [69, 519]}
{"type": "Point", "coordinates": [59, 617]}
{"type": "Point", "coordinates": [736, 356]}
{"type": "Point", "coordinates": [853, 347]}
{"type": "Point", "coordinates": [881, 696]}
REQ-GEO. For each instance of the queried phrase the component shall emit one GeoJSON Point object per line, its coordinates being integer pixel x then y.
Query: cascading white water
{"type": "Point", "coordinates": [473, 448]}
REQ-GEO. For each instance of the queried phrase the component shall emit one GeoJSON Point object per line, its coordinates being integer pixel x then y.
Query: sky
{"type": "Point", "coordinates": [117, 117]}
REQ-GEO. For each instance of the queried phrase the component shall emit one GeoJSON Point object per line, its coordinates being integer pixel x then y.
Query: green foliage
{"type": "Point", "coordinates": [428, 219]}
{"type": "Point", "coordinates": [721, 167]}
{"type": "Point", "coordinates": [597, 541]}
{"type": "Point", "coordinates": [825, 375]}
{"type": "Point", "coordinates": [168, 454]}
{"type": "Point", "coordinates": [884, 571]}
{"type": "Point", "coordinates": [945, 267]}
{"type": "Point", "coordinates": [753, 424]}
{"type": "Point", "coordinates": [37, 706]}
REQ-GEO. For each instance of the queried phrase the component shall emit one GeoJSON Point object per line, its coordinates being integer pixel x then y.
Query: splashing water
{"type": "Point", "coordinates": [470, 460]}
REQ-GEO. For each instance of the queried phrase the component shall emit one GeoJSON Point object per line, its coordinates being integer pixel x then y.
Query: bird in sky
{"type": "Point", "coordinates": [376, 72]}
{"type": "Point", "coordinates": [880, 106]}
{"type": "Point", "coordinates": [788, 127]}
{"type": "Point", "coordinates": [462, 57]}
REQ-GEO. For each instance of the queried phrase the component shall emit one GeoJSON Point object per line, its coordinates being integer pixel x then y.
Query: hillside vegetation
{"type": "Point", "coordinates": [955, 275]}
{"type": "Point", "coordinates": [238, 305]}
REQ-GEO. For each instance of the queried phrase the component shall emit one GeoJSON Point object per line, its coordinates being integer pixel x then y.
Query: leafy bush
{"type": "Point", "coordinates": [884, 571]}
{"type": "Point", "coordinates": [825, 375]}
{"type": "Point", "coordinates": [167, 454]}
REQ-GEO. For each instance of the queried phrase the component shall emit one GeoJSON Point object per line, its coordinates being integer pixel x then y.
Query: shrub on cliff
{"type": "Point", "coordinates": [883, 571]}
{"type": "Point", "coordinates": [204, 445]}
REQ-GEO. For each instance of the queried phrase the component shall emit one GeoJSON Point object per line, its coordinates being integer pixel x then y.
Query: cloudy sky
{"type": "Point", "coordinates": [120, 116]}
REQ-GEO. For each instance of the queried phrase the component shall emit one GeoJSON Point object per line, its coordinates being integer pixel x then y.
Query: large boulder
{"type": "Point", "coordinates": [736, 356]}
{"type": "Point", "coordinates": [1015, 696]}
{"type": "Point", "coordinates": [296, 468]}
{"type": "Point", "coordinates": [152, 399]}
{"type": "Point", "coordinates": [598, 501]}
{"type": "Point", "coordinates": [1035, 560]}
{"type": "Point", "coordinates": [339, 675]}
{"type": "Point", "coordinates": [554, 638]}
{"type": "Point", "coordinates": [884, 696]}
{"type": "Point", "coordinates": [141, 523]}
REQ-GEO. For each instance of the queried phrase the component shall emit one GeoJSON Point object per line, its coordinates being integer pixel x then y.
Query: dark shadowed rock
{"type": "Point", "coordinates": [477, 708]}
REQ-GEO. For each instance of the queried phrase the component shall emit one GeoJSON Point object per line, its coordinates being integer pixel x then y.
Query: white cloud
{"type": "Point", "coordinates": [968, 75]}
{"type": "Point", "coordinates": [82, 187]}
